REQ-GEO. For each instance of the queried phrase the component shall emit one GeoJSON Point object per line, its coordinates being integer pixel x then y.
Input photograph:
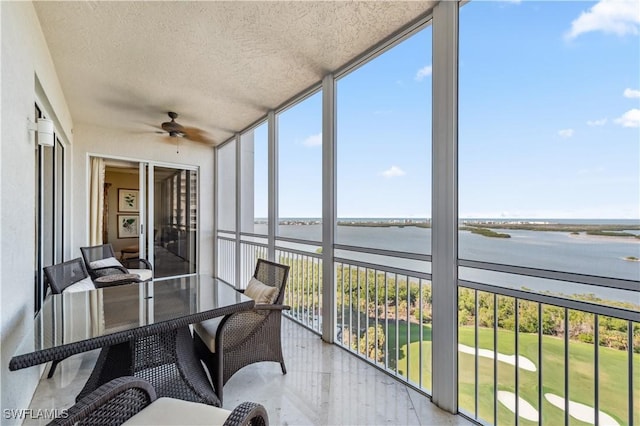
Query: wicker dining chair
{"type": "Point", "coordinates": [72, 276]}
{"type": "Point", "coordinates": [132, 401]}
{"type": "Point", "coordinates": [101, 260]}
{"type": "Point", "coordinates": [232, 342]}
{"type": "Point", "coordinates": [67, 276]}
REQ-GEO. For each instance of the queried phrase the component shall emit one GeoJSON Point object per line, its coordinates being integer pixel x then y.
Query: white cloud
{"type": "Point", "coordinates": [313, 140]}
{"type": "Point", "coordinates": [630, 118]}
{"type": "Point", "coordinates": [393, 171]}
{"type": "Point", "coordinates": [631, 93]}
{"type": "Point", "coordinates": [597, 123]}
{"type": "Point", "coordinates": [565, 133]}
{"type": "Point", "coordinates": [619, 17]}
{"type": "Point", "coordinates": [423, 72]}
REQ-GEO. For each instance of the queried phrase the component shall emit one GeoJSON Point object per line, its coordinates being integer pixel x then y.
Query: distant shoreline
{"type": "Point", "coordinates": [605, 238]}
{"type": "Point", "coordinates": [488, 227]}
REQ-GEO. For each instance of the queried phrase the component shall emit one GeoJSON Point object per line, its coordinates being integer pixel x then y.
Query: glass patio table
{"type": "Point", "coordinates": [142, 328]}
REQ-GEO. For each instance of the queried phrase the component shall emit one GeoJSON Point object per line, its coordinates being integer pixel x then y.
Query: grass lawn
{"type": "Point", "coordinates": [613, 372]}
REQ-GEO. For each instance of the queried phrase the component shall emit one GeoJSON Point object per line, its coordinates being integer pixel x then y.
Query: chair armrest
{"type": "Point", "coordinates": [236, 328]}
{"type": "Point", "coordinates": [248, 413]}
{"type": "Point", "coordinates": [272, 307]}
{"type": "Point", "coordinates": [116, 279]}
{"type": "Point", "coordinates": [112, 403]}
{"type": "Point", "coordinates": [136, 263]}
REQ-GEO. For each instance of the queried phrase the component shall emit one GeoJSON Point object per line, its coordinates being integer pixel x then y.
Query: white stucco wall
{"type": "Point", "coordinates": [27, 73]}
{"type": "Point", "coordinates": [25, 59]}
{"type": "Point", "coordinates": [91, 140]}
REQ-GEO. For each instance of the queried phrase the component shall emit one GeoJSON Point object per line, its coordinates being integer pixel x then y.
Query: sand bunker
{"type": "Point", "coordinates": [525, 410]}
{"type": "Point", "coordinates": [523, 362]}
{"type": "Point", "coordinates": [580, 411]}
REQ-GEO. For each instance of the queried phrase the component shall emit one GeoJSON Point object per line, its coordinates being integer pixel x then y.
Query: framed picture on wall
{"type": "Point", "coordinates": [128, 200]}
{"type": "Point", "coordinates": [128, 226]}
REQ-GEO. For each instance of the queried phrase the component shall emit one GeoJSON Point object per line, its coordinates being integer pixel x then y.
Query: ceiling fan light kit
{"type": "Point", "coordinates": [174, 129]}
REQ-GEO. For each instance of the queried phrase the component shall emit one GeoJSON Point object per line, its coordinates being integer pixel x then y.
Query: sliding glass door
{"type": "Point", "coordinates": [151, 212]}
{"type": "Point", "coordinates": [173, 210]}
{"type": "Point", "coordinates": [49, 204]}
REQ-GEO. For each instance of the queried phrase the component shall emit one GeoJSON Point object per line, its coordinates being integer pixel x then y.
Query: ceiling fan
{"type": "Point", "coordinates": [177, 130]}
{"type": "Point", "coordinates": [172, 127]}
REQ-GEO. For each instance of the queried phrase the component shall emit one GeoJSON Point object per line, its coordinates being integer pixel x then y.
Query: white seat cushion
{"type": "Point", "coordinates": [260, 292]}
{"type": "Point", "coordinates": [207, 332]}
{"type": "Point", "coordinates": [102, 263]}
{"type": "Point", "coordinates": [84, 284]}
{"type": "Point", "coordinates": [170, 411]}
{"type": "Point", "coordinates": [145, 274]}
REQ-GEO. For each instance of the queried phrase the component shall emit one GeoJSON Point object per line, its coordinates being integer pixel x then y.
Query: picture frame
{"type": "Point", "coordinates": [128, 226]}
{"type": "Point", "coordinates": [128, 200]}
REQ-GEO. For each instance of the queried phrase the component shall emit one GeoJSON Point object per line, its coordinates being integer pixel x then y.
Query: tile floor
{"type": "Point", "coordinates": [324, 385]}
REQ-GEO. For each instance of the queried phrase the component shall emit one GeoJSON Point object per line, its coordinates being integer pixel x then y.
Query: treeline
{"type": "Point", "coordinates": [484, 232]}
{"type": "Point", "coordinates": [557, 227]}
{"type": "Point", "coordinates": [612, 233]}
{"type": "Point", "coordinates": [613, 332]}
{"type": "Point", "coordinates": [377, 294]}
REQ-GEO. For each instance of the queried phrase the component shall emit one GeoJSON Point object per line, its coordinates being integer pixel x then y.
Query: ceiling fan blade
{"type": "Point", "coordinates": [197, 135]}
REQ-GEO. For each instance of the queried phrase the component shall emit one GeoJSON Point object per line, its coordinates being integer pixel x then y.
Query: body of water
{"type": "Point", "coordinates": [557, 251]}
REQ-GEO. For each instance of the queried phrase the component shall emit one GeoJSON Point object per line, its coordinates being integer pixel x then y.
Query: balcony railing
{"type": "Point", "coordinates": [384, 317]}
{"type": "Point", "coordinates": [226, 259]}
{"type": "Point", "coordinates": [527, 358]}
{"type": "Point", "coordinates": [250, 252]}
{"type": "Point", "coordinates": [524, 357]}
{"type": "Point", "coordinates": [304, 286]}
{"type": "Point", "coordinates": [304, 289]}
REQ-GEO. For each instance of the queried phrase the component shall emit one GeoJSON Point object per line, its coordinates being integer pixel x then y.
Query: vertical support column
{"type": "Point", "coordinates": [444, 226]}
{"type": "Point", "coordinates": [328, 207]}
{"type": "Point", "coordinates": [151, 211]}
{"type": "Point", "coordinates": [272, 221]}
{"type": "Point", "coordinates": [142, 208]}
{"type": "Point", "coordinates": [216, 182]}
{"type": "Point", "coordinates": [238, 267]}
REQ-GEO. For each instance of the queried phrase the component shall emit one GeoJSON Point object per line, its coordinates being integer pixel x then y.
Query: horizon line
{"type": "Point", "coordinates": [460, 218]}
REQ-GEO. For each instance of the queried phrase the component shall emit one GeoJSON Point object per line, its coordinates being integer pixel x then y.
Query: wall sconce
{"type": "Point", "coordinates": [44, 127]}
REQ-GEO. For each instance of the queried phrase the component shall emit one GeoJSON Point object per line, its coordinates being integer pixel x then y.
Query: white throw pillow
{"type": "Point", "coordinates": [260, 292]}
{"type": "Point", "coordinates": [102, 263]}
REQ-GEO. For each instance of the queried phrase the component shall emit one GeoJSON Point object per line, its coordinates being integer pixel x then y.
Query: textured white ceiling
{"type": "Point", "coordinates": [220, 65]}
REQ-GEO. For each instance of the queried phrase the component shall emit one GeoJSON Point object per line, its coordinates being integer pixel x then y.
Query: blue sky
{"type": "Point", "coordinates": [549, 120]}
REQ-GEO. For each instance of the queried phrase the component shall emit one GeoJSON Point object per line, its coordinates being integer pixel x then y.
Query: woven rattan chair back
{"type": "Point", "coordinates": [274, 275]}
{"type": "Point", "coordinates": [93, 253]}
{"type": "Point", "coordinates": [103, 251]}
{"type": "Point", "coordinates": [60, 276]}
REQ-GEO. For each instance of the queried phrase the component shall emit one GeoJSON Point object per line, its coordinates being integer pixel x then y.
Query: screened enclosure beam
{"type": "Point", "coordinates": [444, 208]}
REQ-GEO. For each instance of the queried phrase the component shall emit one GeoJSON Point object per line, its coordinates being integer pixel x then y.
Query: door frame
{"type": "Point", "coordinates": [146, 168]}
{"type": "Point", "coordinates": [60, 215]}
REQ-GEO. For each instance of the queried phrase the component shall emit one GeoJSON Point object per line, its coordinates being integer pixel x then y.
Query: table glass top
{"type": "Point", "coordinates": [74, 317]}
